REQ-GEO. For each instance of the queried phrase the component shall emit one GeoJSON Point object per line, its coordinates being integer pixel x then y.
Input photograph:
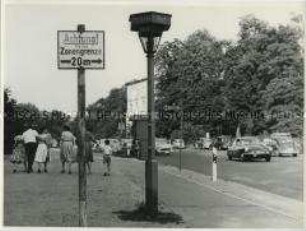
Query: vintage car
{"type": "Point", "coordinates": [285, 144]}
{"type": "Point", "coordinates": [163, 146]}
{"type": "Point", "coordinates": [225, 141]}
{"type": "Point", "coordinates": [247, 148]}
{"type": "Point", "coordinates": [204, 143]}
{"type": "Point", "coordinates": [272, 145]}
{"type": "Point", "coordinates": [126, 143]}
{"type": "Point", "coordinates": [115, 145]}
{"type": "Point", "coordinates": [178, 144]}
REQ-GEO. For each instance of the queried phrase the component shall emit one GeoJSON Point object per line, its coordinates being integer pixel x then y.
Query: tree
{"type": "Point", "coordinates": [189, 74]}
{"type": "Point", "coordinates": [226, 85]}
{"type": "Point", "coordinates": [9, 133]}
{"type": "Point", "coordinates": [263, 74]}
{"type": "Point", "coordinates": [105, 114]}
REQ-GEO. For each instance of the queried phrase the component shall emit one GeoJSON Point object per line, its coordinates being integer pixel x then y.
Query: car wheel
{"type": "Point", "coordinates": [294, 155]}
{"type": "Point", "coordinates": [230, 157]}
{"type": "Point", "coordinates": [244, 159]}
{"type": "Point", "coordinates": [268, 158]}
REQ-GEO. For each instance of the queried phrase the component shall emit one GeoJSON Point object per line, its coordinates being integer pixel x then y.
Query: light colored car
{"type": "Point", "coordinates": [285, 144]}
{"type": "Point", "coordinates": [204, 143]}
{"type": "Point", "coordinates": [178, 143]}
{"type": "Point", "coordinates": [163, 146]}
{"type": "Point", "coordinates": [54, 143]}
{"type": "Point", "coordinates": [100, 143]}
{"type": "Point", "coordinates": [271, 145]}
{"type": "Point", "coordinates": [248, 147]}
{"type": "Point", "coordinates": [127, 143]}
{"type": "Point", "coordinates": [115, 145]}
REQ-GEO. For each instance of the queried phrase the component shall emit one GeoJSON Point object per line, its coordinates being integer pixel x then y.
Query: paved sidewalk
{"type": "Point", "coordinates": [186, 199]}
{"type": "Point", "coordinates": [203, 203]}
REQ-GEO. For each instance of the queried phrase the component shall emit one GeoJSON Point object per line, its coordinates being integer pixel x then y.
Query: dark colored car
{"type": "Point", "coordinates": [247, 148]}
{"type": "Point", "coordinates": [224, 141]}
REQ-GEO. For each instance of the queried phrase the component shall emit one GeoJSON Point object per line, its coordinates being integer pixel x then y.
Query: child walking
{"type": "Point", "coordinates": [107, 152]}
{"type": "Point", "coordinates": [18, 156]}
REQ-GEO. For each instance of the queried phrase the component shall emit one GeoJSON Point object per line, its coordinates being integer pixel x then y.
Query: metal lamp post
{"type": "Point", "coordinates": [150, 26]}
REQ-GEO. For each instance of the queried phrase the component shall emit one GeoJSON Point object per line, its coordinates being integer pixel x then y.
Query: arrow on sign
{"type": "Point", "coordinates": [65, 61]}
{"type": "Point", "coordinates": [96, 61]}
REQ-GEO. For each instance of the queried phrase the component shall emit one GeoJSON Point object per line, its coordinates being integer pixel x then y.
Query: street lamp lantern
{"type": "Point", "coordinates": [150, 26]}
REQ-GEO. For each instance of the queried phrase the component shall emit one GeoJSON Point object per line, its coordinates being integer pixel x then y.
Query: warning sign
{"type": "Point", "coordinates": [80, 49]}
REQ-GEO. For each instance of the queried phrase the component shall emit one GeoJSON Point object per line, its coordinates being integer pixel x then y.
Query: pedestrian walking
{"type": "Point", "coordinates": [68, 149]}
{"type": "Point", "coordinates": [136, 148]}
{"type": "Point", "coordinates": [88, 149]}
{"type": "Point", "coordinates": [215, 147]}
{"type": "Point", "coordinates": [42, 150]}
{"type": "Point", "coordinates": [30, 142]}
{"type": "Point", "coordinates": [18, 156]}
{"type": "Point", "coordinates": [107, 152]}
{"type": "Point", "coordinates": [49, 141]}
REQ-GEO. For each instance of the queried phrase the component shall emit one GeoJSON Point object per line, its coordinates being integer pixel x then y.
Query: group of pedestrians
{"type": "Point", "coordinates": [33, 147]}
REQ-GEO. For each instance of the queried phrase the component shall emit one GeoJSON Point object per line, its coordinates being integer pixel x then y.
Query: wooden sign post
{"type": "Point", "coordinates": [81, 50]}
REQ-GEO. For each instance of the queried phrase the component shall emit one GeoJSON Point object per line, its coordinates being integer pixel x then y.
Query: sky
{"type": "Point", "coordinates": [30, 42]}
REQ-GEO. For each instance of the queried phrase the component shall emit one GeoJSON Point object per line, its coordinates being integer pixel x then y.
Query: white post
{"type": "Point", "coordinates": [214, 164]}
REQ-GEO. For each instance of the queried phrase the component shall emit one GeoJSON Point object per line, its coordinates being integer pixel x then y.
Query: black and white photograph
{"type": "Point", "coordinates": [153, 114]}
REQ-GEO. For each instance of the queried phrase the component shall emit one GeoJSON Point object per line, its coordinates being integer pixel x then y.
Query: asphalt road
{"type": "Point", "coordinates": [282, 176]}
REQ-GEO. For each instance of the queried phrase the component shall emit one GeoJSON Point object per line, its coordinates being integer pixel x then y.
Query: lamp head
{"type": "Point", "coordinates": [150, 27]}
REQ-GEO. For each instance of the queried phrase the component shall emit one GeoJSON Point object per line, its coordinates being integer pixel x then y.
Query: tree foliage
{"type": "Point", "coordinates": [18, 116]}
{"type": "Point", "coordinates": [105, 114]}
{"type": "Point", "coordinates": [250, 83]}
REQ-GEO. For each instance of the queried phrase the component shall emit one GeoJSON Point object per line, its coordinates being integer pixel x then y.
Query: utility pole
{"type": "Point", "coordinates": [81, 143]}
{"type": "Point", "coordinates": [79, 41]}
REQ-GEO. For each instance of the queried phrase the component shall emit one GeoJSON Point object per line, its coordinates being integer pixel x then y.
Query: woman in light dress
{"type": "Point", "coordinates": [68, 150]}
{"type": "Point", "coordinates": [42, 150]}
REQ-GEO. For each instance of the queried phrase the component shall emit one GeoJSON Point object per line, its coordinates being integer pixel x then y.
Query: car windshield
{"type": "Point", "coordinates": [247, 141]}
{"type": "Point", "coordinates": [286, 142]}
{"type": "Point", "coordinates": [161, 141]}
{"type": "Point", "coordinates": [127, 141]}
{"type": "Point", "coordinates": [206, 140]}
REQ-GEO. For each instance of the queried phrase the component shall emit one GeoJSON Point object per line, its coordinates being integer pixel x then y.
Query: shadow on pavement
{"type": "Point", "coordinates": [140, 214]}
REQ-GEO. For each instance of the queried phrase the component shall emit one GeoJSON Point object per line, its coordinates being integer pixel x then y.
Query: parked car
{"type": "Point", "coordinates": [100, 144]}
{"type": "Point", "coordinates": [204, 143]}
{"type": "Point", "coordinates": [285, 144]}
{"type": "Point", "coordinates": [54, 143]}
{"type": "Point", "coordinates": [126, 145]}
{"type": "Point", "coordinates": [163, 146]}
{"type": "Point", "coordinates": [272, 145]}
{"type": "Point", "coordinates": [248, 147]}
{"type": "Point", "coordinates": [225, 142]}
{"type": "Point", "coordinates": [115, 145]}
{"type": "Point", "coordinates": [178, 143]}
